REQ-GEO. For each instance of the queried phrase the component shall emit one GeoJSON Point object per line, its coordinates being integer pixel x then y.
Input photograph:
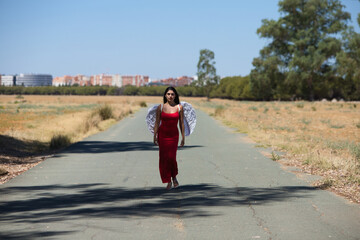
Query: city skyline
{"type": "Point", "coordinates": [116, 80]}
{"type": "Point", "coordinates": [160, 39]}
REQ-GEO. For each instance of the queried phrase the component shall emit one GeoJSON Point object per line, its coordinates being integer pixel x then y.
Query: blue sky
{"type": "Point", "coordinates": [159, 38]}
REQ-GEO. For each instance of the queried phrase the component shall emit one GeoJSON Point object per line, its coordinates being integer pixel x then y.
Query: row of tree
{"type": "Point", "coordinates": [128, 90]}
{"type": "Point", "coordinates": [238, 88]}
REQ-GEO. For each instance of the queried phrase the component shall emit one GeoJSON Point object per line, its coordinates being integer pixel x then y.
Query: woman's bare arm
{"type": "Point", "coordinates": [181, 125]}
{"type": "Point", "coordinates": [157, 123]}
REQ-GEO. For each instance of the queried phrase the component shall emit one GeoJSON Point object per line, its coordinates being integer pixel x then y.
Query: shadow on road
{"type": "Point", "coordinates": [55, 203]}
{"type": "Point", "coordinates": [14, 149]}
{"type": "Point", "coordinates": [106, 146]}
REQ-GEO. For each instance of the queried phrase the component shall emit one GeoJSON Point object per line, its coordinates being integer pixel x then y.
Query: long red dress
{"type": "Point", "coordinates": [168, 138]}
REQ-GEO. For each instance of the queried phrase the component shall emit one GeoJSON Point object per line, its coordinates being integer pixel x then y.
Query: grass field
{"type": "Point", "coordinates": [322, 138]}
{"type": "Point", "coordinates": [33, 127]}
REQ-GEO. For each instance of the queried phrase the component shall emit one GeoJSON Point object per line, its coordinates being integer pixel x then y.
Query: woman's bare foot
{"type": "Point", "coordinates": [176, 183]}
{"type": "Point", "coordinates": [169, 185]}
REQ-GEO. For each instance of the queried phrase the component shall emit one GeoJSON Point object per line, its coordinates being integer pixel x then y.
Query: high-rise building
{"type": "Point", "coordinates": [117, 80]}
{"type": "Point", "coordinates": [63, 81]}
{"type": "Point", "coordinates": [179, 81]}
{"type": "Point", "coordinates": [8, 80]}
{"type": "Point", "coordinates": [29, 80]}
{"type": "Point", "coordinates": [102, 80]}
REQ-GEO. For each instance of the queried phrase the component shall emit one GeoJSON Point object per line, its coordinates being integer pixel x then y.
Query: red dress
{"type": "Point", "coordinates": [168, 138]}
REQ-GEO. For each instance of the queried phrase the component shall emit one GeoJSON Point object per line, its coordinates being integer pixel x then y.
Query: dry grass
{"type": "Point", "coordinates": [33, 123]}
{"type": "Point", "coordinates": [321, 138]}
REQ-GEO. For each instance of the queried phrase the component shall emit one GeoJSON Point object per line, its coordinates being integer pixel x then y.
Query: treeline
{"type": "Point", "coordinates": [61, 90]}
{"type": "Point", "coordinates": [236, 87]}
{"type": "Point", "coordinates": [128, 90]}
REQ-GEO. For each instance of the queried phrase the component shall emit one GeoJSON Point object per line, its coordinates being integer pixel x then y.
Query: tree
{"type": "Point", "coordinates": [300, 58]}
{"type": "Point", "coordinates": [235, 87]}
{"type": "Point", "coordinates": [206, 71]}
{"type": "Point", "coordinates": [348, 61]}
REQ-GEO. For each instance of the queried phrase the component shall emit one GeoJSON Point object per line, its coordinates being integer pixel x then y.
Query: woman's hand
{"type": "Point", "coordinates": [156, 140]}
{"type": "Point", "coordinates": [182, 143]}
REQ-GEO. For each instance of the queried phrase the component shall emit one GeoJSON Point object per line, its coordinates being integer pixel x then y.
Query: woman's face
{"type": "Point", "coordinates": [170, 96]}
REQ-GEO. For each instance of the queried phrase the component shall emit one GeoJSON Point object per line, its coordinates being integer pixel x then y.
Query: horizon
{"type": "Point", "coordinates": [158, 39]}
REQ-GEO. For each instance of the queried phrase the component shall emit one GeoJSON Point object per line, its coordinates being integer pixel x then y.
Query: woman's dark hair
{"type": "Point", "coordinates": [176, 100]}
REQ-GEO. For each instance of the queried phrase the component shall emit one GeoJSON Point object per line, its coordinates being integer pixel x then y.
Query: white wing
{"type": "Point", "coordinates": [189, 118]}
{"type": "Point", "coordinates": [151, 118]}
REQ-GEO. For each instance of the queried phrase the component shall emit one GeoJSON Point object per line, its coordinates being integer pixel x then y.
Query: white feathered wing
{"type": "Point", "coordinates": [189, 118]}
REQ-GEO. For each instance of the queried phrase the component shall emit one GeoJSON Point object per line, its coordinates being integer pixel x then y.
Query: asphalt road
{"type": "Point", "coordinates": [108, 187]}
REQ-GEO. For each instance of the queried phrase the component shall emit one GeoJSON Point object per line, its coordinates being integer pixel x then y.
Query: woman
{"type": "Point", "coordinates": [166, 135]}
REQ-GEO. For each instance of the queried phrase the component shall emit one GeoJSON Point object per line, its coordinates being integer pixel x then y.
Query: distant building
{"type": "Point", "coordinates": [116, 80]}
{"type": "Point", "coordinates": [30, 80]}
{"type": "Point", "coordinates": [8, 80]}
{"type": "Point", "coordinates": [63, 81]}
{"type": "Point", "coordinates": [179, 81]}
{"type": "Point", "coordinates": [102, 80]}
{"type": "Point", "coordinates": [156, 83]}
{"type": "Point", "coordinates": [137, 80]}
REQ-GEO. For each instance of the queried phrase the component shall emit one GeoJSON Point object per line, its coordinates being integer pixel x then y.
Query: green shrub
{"type": "Point", "coordinates": [305, 121]}
{"type": "Point", "coordinates": [143, 104]}
{"type": "Point", "coordinates": [253, 108]}
{"type": "Point", "coordinates": [337, 126]}
{"type": "Point", "coordinates": [300, 105]}
{"type": "Point", "coordinates": [59, 141]}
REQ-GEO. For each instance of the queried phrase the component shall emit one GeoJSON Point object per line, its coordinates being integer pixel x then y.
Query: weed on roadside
{"type": "Point", "coordinates": [274, 156]}
{"type": "Point", "coordinates": [105, 112]}
{"type": "Point", "coordinates": [3, 171]}
{"type": "Point", "coordinates": [326, 183]}
{"type": "Point", "coordinates": [92, 121]}
{"type": "Point", "coordinates": [142, 104]}
{"type": "Point", "coordinates": [355, 151]}
{"type": "Point", "coordinates": [59, 141]}
{"type": "Point", "coordinates": [219, 110]}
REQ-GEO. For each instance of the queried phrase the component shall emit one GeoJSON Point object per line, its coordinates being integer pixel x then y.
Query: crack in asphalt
{"type": "Point", "coordinates": [260, 222]}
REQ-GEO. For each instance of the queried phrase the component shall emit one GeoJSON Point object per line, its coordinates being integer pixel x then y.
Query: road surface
{"type": "Point", "coordinates": [108, 187]}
